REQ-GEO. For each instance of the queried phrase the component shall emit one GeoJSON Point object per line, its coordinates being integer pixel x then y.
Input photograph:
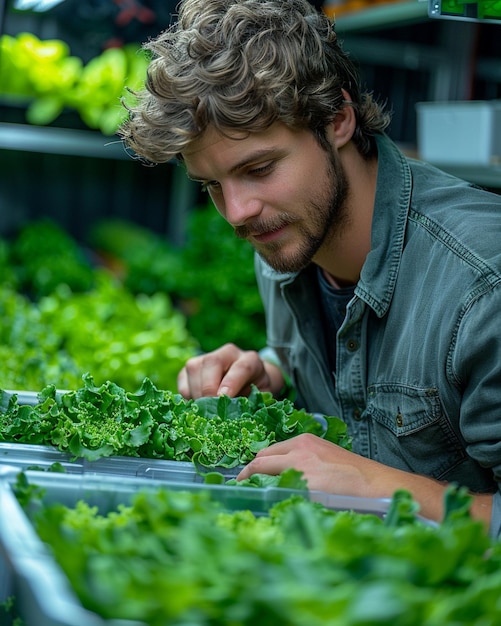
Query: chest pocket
{"type": "Point", "coordinates": [410, 431]}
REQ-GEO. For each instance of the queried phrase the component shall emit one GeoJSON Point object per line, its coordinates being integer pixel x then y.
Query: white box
{"type": "Point", "coordinates": [466, 132]}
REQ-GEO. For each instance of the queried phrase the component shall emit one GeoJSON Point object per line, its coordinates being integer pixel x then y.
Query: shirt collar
{"type": "Point", "coordinates": [391, 207]}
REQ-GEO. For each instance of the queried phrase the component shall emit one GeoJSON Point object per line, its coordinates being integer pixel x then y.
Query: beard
{"type": "Point", "coordinates": [324, 218]}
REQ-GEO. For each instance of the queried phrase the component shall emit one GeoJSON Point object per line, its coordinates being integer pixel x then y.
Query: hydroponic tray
{"type": "Point", "coordinates": [26, 456]}
{"type": "Point", "coordinates": [23, 397]}
{"type": "Point", "coordinates": [29, 456]}
{"type": "Point", "coordinates": [43, 594]}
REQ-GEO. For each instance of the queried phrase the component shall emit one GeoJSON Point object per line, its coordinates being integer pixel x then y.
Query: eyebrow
{"type": "Point", "coordinates": [251, 158]}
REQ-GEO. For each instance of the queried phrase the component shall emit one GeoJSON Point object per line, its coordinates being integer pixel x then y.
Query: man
{"type": "Point", "coordinates": [380, 275]}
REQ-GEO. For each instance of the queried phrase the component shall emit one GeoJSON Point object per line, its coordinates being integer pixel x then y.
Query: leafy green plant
{"type": "Point", "coordinates": [46, 76]}
{"type": "Point", "coordinates": [211, 277]}
{"type": "Point", "coordinates": [176, 557]}
{"type": "Point", "coordinates": [98, 421]}
{"type": "Point", "coordinates": [163, 304]}
{"type": "Point", "coordinates": [44, 256]}
{"type": "Point", "coordinates": [220, 283]}
{"type": "Point", "coordinates": [33, 68]}
{"type": "Point", "coordinates": [9, 615]}
{"type": "Point", "coordinates": [288, 479]}
{"type": "Point", "coordinates": [107, 330]}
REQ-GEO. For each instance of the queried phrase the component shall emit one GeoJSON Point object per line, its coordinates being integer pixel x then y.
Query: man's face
{"type": "Point", "coordinates": [279, 189]}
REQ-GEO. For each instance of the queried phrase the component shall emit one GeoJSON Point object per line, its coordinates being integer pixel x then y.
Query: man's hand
{"type": "Point", "coordinates": [229, 371]}
{"type": "Point", "coordinates": [326, 466]}
{"type": "Point", "coordinates": [332, 469]}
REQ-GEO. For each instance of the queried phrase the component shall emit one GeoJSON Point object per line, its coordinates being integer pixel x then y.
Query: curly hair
{"type": "Point", "coordinates": [243, 65]}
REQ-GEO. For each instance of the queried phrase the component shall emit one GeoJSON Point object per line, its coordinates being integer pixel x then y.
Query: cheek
{"type": "Point", "coordinates": [301, 183]}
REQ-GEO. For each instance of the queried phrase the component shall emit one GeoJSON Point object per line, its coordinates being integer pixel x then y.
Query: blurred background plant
{"type": "Point", "coordinates": [125, 305]}
{"type": "Point", "coordinates": [210, 278]}
{"type": "Point", "coordinates": [48, 79]}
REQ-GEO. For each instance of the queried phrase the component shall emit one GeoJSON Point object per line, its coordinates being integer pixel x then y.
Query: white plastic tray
{"type": "Point", "coordinates": [28, 456]}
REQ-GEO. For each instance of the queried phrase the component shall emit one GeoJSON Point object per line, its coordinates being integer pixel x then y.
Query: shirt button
{"type": "Point", "coordinates": [352, 345]}
{"type": "Point", "coordinates": [357, 415]}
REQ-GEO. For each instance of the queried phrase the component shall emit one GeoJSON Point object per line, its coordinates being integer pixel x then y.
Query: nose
{"type": "Point", "coordinates": [237, 203]}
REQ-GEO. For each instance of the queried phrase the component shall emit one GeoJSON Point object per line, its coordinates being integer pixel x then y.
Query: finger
{"type": "Point", "coordinates": [278, 448]}
{"type": "Point", "coordinates": [203, 374]}
{"type": "Point", "coordinates": [248, 369]}
{"type": "Point", "coordinates": [189, 380]}
{"type": "Point", "coordinates": [293, 452]}
{"type": "Point", "coordinates": [272, 465]}
{"type": "Point", "coordinates": [205, 382]}
{"type": "Point", "coordinates": [192, 381]}
{"type": "Point", "coordinates": [304, 444]}
{"type": "Point", "coordinates": [182, 384]}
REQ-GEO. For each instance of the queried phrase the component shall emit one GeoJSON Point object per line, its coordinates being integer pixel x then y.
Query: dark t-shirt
{"type": "Point", "coordinates": [334, 301]}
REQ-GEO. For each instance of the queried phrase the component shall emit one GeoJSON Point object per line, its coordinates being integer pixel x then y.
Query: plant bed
{"type": "Point", "coordinates": [96, 422]}
{"type": "Point", "coordinates": [108, 552]}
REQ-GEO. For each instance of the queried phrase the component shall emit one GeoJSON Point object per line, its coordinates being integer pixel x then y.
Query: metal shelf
{"type": "Point", "coordinates": [65, 141]}
{"type": "Point", "coordinates": [183, 193]}
{"type": "Point", "coordinates": [383, 16]}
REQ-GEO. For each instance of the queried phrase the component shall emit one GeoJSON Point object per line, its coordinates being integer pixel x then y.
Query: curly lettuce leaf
{"type": "Point", "coordinates": [96, 421]}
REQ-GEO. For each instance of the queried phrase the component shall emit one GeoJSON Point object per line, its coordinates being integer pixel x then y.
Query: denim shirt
{"type": "Point", "coordinates": [418, 356]}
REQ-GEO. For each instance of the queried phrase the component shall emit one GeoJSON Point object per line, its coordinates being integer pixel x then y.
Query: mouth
{"type": "Point", "coordinates": [262, 233]}
{"type": "Point", "coordinates": [268, 236]}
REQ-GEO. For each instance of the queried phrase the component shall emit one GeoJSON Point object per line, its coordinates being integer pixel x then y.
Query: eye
{"type": "Point", "coordinates": [262, 170]}
{"type": "Point", "coordinates": [210, 185]}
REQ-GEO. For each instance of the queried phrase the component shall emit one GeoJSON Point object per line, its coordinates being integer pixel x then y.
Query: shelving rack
{"type": "Point", "coordinates": [448, 63]}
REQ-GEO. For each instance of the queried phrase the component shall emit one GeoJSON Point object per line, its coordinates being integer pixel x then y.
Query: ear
{"type": "Point", "coordinates": [344, 123]}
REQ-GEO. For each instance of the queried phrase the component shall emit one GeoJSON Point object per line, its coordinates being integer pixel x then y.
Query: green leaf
{"type": "Point", "coordinates": [214, 478]}
{"type": "Point", "coordinates": [337, 432]}
{"type": "Point", "coordinates": [80, 451]}
{"type": "Point", "coordinates": [292, 479]}
{"type": "Point", "coordinates": [44, 110]}
{"type": "Point", "coordinates": [457, 503]}
{"type": "Point", "coordinates": [402, 510]}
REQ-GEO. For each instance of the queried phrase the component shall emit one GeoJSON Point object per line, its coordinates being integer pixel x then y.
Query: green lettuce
{"type": "Point", "coordinates": [100, 421]}
{"type": "Point", "coordinates": [179, 558]}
